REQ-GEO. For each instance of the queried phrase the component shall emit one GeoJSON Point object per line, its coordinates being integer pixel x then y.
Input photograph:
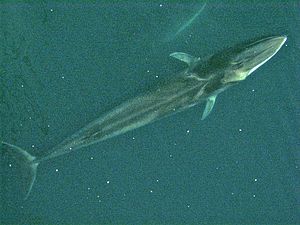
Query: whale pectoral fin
{"type": "Point", "coordinates": [209, 106]}
{"type": "Point", "coordinates": [187, 58]}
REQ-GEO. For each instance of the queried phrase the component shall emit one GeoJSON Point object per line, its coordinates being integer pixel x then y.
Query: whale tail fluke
{"type": "Point", "coordinates": [27, 164]}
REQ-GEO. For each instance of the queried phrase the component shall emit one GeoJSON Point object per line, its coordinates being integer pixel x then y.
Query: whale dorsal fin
{"type": "Point", "coordinates": [187, 58]}
{"type": "Point", "coordinates": [209, 106]}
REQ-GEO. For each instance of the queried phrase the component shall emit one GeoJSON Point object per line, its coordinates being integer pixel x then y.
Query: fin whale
{"type": "Point", "coordinates": [202, 81]}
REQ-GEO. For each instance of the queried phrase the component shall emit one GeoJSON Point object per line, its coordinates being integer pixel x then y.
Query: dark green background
{"type": "Point", "coordinates": [64, 64]}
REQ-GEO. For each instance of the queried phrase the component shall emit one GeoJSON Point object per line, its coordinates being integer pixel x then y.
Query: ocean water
{"type": "Point", "coordinates": [64, 64]}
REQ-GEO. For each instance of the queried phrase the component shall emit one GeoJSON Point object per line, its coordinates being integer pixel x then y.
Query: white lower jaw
{"type": "Point", "coordinates": [267, 59]}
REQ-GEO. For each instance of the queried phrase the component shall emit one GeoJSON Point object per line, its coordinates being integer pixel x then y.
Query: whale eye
{"type": "Point", "coordinates": [236, 65]}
